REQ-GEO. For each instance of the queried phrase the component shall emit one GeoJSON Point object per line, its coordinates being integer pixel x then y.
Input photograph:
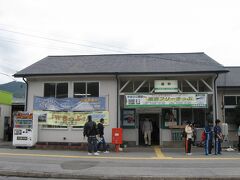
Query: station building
{"type": "Point", "coordinates": [167, 88]}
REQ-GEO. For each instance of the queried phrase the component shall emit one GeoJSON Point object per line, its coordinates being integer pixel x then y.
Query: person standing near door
{"type": "Point", "coordinates": [147, 130]}
{"type": "Point", "coordinates": [189, 137]}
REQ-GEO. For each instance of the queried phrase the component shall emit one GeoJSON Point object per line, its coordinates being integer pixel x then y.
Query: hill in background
{"type": "Point", "coordinates": [17, 88]}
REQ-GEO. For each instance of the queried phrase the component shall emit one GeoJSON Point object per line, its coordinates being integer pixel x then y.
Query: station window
{"type": "Point", "coordinates": [230, 104]}
{"type": "Point", "coordinates": [57, 90]}
{"type": "Point", "coordinates": [86, 89]}
{"type": "Point", "coordinates": [230, 100]}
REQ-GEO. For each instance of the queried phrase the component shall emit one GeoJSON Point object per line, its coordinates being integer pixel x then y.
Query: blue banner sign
{"type": "Point", "coordinates": [69, 104]}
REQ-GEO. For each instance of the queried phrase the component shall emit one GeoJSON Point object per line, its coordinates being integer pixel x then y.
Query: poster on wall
{"type": "Point", "coordinates": [128, 118]}
{"type": "Point", "coordinates": [69, 104]}
{"type": "Point", "coordinates": [69, 118]}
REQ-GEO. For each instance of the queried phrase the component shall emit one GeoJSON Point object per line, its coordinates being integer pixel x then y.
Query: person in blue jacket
{"type": "Point", "coordinates": [218, 137]}
{"type": "Point", "coordinates": [208, 139]}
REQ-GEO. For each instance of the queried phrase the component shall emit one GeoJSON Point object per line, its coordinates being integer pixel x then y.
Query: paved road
{"type": "Point", "coordinates": [146, 163]}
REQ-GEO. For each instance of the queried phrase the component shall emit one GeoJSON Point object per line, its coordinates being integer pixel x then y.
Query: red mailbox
{"type": "Point", "coordinates": [117, 136]}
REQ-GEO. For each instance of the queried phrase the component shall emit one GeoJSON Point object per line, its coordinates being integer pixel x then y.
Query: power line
{"type": "Point", "coordinates": [103, 44]}
{"type": "Point", "coordinates": [142, 55]}
{"type": "Point", "coordinates": [7, 75]}
{"type": "Point", "coordinates": [68, 42]}
{"type": "Point", "coordinates": [58, 48]}
{"type": "Point", "coordinates": [61, 41]}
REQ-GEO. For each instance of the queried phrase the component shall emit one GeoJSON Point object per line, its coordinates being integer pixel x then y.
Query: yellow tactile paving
{"type": "Point", "coordinates": [160, 156]}
{"type": "Point", "coordinates": [158, 152]}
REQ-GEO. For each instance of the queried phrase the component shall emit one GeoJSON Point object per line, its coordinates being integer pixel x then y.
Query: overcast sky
{"type": "Point", "coordinates": [33, 29]}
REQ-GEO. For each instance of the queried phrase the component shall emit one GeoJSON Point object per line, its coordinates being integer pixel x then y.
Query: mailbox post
{"type": "Point", "coordinates": [117, 138]}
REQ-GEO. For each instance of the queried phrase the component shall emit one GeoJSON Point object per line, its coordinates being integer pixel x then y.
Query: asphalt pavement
{"type": "Point", "coordinates": [132, 163]}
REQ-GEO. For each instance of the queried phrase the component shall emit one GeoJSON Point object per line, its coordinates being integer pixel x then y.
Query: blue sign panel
{"type": "Point", "coordinates": [70, 104]}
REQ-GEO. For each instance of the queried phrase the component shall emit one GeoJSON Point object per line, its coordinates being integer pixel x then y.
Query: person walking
{"type": "Point", "coordinates": [208, 139]}
{"type": "Point", "coordinates": [90, 130]}
{"type": "Point", "coordinates": [218, 137]}
{"type": "Point", "coordinates": [102, 142]}
{"type": "Point", "coordinates": [147, 130]}
{"type": "Point", "coordinates": [189, 136]}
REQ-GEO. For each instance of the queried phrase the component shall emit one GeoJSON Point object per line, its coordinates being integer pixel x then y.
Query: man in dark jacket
{"type": "Point", "coordinates": [218, 137]}
{"type": "Point", "coordinates": [101, 136]}
{"type": "Point", "coordinates": [90, 130]}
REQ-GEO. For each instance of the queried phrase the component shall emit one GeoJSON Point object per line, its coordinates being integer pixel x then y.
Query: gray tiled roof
{"type": "Point", "coordinates": [123, 64]}
{"type": "Point", "coordinates": [230, 79]}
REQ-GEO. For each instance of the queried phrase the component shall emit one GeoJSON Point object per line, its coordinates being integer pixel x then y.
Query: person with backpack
{"type": "Point", "coordinates": [207, 139]}
{"type": "Point", "coordinates": [90, 130]}
{"type": "Point", "coordinates": [101, 141]}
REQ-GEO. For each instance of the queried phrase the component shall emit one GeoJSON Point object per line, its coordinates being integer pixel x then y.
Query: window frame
{"type": "Point", "coordinates": [86, 87]}
{"type": "Point", "coordinates": [229, 106]}
{"type": "Point", "coordinates": [55, 84]}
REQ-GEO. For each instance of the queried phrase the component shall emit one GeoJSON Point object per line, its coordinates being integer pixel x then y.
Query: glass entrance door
{"type": "Point", "coordinates": [154, 118]}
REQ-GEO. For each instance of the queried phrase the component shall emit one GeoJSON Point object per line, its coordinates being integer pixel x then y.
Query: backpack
{"type": "Point", "coordinates": [88, 128]}
{"type": "Point", "coordinates": [203, 136]}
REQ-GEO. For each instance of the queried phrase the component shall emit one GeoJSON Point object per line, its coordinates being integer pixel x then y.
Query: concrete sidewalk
{"type": "Point", "coordinates": [132, 163]}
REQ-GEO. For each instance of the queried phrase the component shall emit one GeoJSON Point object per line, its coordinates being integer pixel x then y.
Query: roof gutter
{"type": "Point", "coordinates": [215, 98]}
{"type": "Point", "coordinates": [117, 78]}
{"type": "Point", "coordinates": [121, 73]}
{"type": "Point", "coordinates": [26, 95]}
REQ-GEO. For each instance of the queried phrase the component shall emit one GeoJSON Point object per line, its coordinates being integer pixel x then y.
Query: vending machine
{"type": "Point", "coordinates": [24, 130]}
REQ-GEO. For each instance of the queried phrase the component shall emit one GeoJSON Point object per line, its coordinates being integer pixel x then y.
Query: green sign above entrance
{"type": "Point", "coordinates": [167, 100]}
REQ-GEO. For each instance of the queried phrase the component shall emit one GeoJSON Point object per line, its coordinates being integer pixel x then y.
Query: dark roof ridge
{"type": "Point", "coordinates": [231, 66]}
{"type": "Point", "coordinates": [127, 54]}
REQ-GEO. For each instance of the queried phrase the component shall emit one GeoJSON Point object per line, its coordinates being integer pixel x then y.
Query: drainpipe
{"type": "Point", "coordinates": [117, 100]}
{"type": "Point", "coordinates": [26, 95]}
{"type": "Point", "coordinates": [215, 99]}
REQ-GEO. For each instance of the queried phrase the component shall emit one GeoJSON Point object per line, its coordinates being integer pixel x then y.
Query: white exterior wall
{"type": "Point", "coordinates": [232, 129]}
{"type": "Point", "coordinates": [107, 87]}
{"type": "Point", "coordinates": [5, 111]}
{"type": "Point", "coordinates": [220, 104]}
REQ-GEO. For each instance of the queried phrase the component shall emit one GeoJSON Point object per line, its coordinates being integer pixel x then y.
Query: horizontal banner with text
{"type": "Point", "coordinates": [69, 118]}
{"type": "Point", "coordinates": [167, 100]}
{"type": "Point", "coordinates": [69, 104]}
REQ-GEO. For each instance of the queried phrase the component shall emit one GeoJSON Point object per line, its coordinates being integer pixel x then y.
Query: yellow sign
{"type": "Point", "coordinates": [69, 118]}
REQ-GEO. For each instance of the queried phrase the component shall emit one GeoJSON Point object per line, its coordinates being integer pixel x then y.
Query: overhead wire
{"type": "Point", "coordinates": [89, 46]}
{"type": "Point", "coordinates": [61, 41]}
{"type": "Point", "coordinates": [103, 44]}
{"type": "Point", "coordinates": [8, 76]}
{"type": "Point", "coordinates": [32, 44]}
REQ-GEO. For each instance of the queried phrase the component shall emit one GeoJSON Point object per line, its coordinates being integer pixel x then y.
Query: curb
{"type": "Point", "coordinates": [97, 177]}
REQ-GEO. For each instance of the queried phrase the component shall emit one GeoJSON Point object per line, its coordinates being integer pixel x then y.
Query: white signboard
{"type": "Point", "coordinates": [167, 100]}
{"type": "Point", "coordinates": [165, 86]}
